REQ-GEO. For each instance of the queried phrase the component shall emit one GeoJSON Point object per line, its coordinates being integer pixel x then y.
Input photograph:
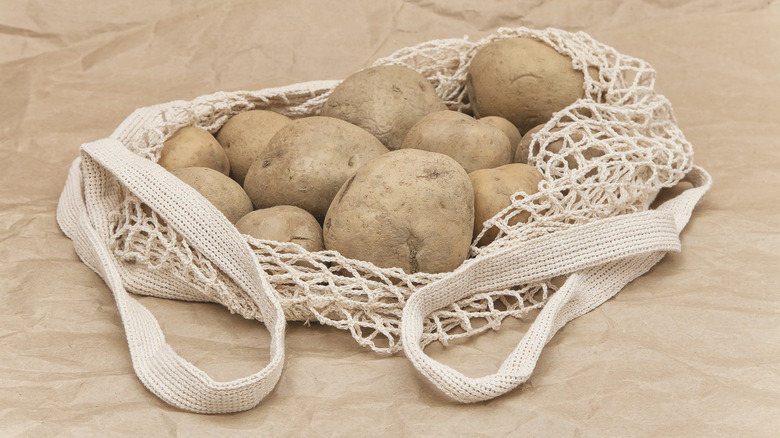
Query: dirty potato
{"type": "Point", "coordinates": [523, 80]}
{"type": "Point", "coordinates": [409, 209]}
{"type": "Point", "coordinates": [306, 163]}
{"type": "Point", "coordinates": [524, 146]}
{"type": "Point", "coordinates": [192, 146]}
{"type": "Point", "coordinates": [493, 190]}
{"type": "Point", "coordinates": [472, 144]}
{"type": "Point", "coordinates": [217, 188]}
{"type": "Point", "coordinates": [283, 223]}
{"type": "Point", "coordinates": [507, 128]}
{"type": "Point", "coordinates": [573, 155]}
{"type": "Point", "coordinates": [245, 135]}
{"type": "Point", "coordinates": [385, 101]}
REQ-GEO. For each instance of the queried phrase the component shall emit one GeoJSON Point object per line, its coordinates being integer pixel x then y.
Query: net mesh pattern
{"type": "Point", "coordinates": [607, 154]}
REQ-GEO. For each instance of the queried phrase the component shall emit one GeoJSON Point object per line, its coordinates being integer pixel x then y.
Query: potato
{"type": "Point", "coordinates": [245, 135]}
{"type": "Point", "coordinates": [283, 223]}
{"type": "Point", "coordinates": [521, 154]}
{"type": "Point", "coordinates": [409, 209]}
{"type": "Point", "coordinates": [507, 128]}
{"type": "Point", "coordinates": [306, 163]}
{"type": "Point", "coordinates": [493, 190]}
{"type": "Point", "coordinates": [523, 80]}
{"type": "Point", "coordinates": [217, 188]}
{"type": "Point", "coordinates": [472, 144]}
{"type": "Point", "coordinates": [385, 101]}
{"type": "Point", "coordinates": [524, 148]}
{"type": "Point", "coordinates": [193, 147]}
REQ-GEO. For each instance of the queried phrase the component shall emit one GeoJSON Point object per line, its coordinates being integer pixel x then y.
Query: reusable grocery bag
{"type": "Point", "coordinates": [591, 230]}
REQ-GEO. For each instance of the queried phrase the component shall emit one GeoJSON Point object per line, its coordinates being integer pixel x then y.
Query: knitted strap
{"type": "Point", "coordinates": [603, 256]}
{"type": "Point", "coordinates": [81, 214]}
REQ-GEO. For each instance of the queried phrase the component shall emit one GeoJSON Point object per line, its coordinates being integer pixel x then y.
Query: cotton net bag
{"type": "Point", "coordinates": [590, 231]}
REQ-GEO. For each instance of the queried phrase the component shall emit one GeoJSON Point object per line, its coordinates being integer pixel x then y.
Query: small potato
{"type": "Point", "coordinates": [193, 147]}
{"type": "Point", "coordinates": [556, 147]}
{"type": "Point", "coordinates": [217, 188]}
{"type": "Point", "coordinates": [524, 148]}
{"type": "Point", "coordinates": [283, 223]}
{"type": "Point", "coordinates": [306, 163]}
{"type": "Point", "coordinates": [523, 80]}
{"type": "Point", "coordinates": [245, 135]}
{"type": "Point", "coordinates": [409, 209]}
{"type": "Point", "coordinates": [493, 190]}
{"type": "Point", "coordinates": [507, 128]}
{"type": "Point", "coordinates": [472, 144]}
{"type": "Point", "coordinates": [385, 101]}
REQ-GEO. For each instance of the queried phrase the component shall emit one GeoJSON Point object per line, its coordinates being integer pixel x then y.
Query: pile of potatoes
{"type": "Point", "coordinates": [385, 172]}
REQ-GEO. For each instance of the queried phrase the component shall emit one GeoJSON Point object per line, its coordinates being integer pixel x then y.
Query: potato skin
{"type": "Point", "coordinates": [245, 135]}
{"type": "Point", "coordinates": [385, 101]}
{"type": "Point", "coordinates": [507, 128]}
{"type": "Point", "coordinates": [523, 80]}
{"type": "Point", "coordinates": [306, 163]}
{"type": "Point", "coordinates": [283, 223]}
{"type": "Point", "coordinates": [409, 209]}
{"type": "Point", "coordinates": [523, 148]}
{"type": "Point", "coordinates": [493, 190]}
{"type": "Point", "coordinates": [219, 189]}
{"type": "Point", "coordinates": [472, 144]}
{"type": "Point", "coordinates": [192, 146]}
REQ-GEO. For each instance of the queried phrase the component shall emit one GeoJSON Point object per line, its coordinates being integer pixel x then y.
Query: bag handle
{"type": "Point", "coordinates": [81, 214]}
{"type": "Point", "coordinates": [603, 256]}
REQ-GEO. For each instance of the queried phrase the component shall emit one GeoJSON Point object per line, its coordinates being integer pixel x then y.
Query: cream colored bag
{"type": "Point", "coordinates": [145, 232]}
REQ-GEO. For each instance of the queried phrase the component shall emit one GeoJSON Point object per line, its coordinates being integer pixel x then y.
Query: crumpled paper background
{"type": "Point", "coordinates": [690, 349]}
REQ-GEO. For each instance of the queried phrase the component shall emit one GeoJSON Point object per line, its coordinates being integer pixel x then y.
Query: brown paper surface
{"type": "Point", "coordinates": [690, 349]}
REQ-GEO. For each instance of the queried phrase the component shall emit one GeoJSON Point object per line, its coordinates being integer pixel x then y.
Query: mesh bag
{"type": "Point", "coordinates": [145, 232]}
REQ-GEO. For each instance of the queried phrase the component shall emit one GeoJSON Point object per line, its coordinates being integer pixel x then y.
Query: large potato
{"type": "Point", "coordinates": [385, 101]}
{"type": "Point", "coordinates": [523, 80]}
{"type": "Point", "coordinates": [472, 144]}
{"type": "Point", "coordinates": [193, 147]}
{"type": "Point", "coordinates": [245, 135]}
{"type": "Point", "coordinates": [493, 190]}
{"type": "Point", "coordinates": [283, 223]}
{"type": "Point", "coordinates": [409, 209]}
{"type": "Point", "coordinates": [219, 189]}
{"type": "Point", "coordinates": [306, 163]}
